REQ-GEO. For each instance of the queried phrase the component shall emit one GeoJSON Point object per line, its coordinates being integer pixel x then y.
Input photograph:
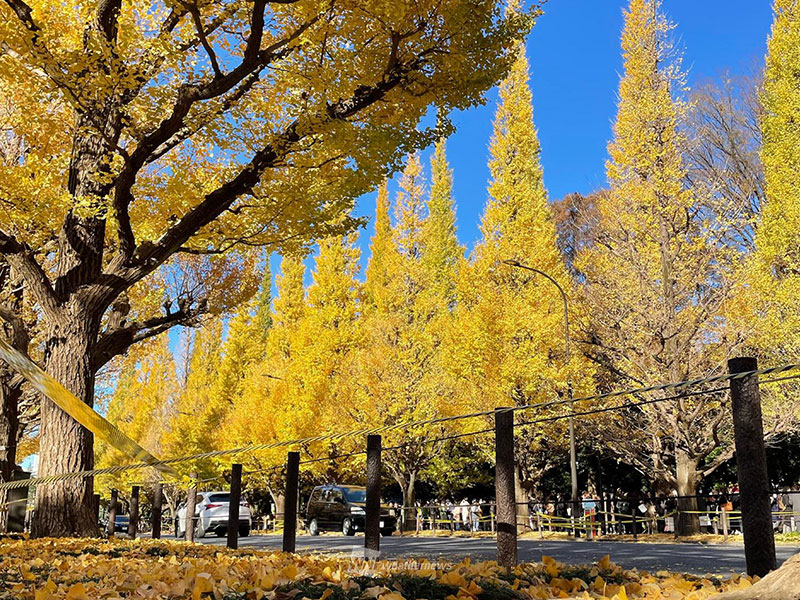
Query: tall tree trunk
{"type": "Point", "coordinates": [521, 498]}
{"type": "Point", "coordinates": [279, 498]}
{"type": "Point", "coordinates": [409, 498]}
{"type": "Point", "coordinates": [10, 392]}
{"type": "Point", "coordinates": [687, 478]}
{"type": "Point", "coordinates": [9, 423]}
{"type": "Point", "coordinates": [65, 509]}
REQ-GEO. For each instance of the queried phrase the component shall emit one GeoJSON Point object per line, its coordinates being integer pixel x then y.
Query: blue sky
{"type": "Point", "coordinates": [575, 67]}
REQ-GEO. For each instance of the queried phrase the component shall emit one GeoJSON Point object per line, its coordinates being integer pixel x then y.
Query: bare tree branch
{"type": "Point", "coordinates": [116, 341]}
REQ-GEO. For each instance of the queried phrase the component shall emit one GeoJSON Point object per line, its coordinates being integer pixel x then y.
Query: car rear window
{"type": "Point", "coordinates": [213, 498]}
{"type": "Point", "coordinates": [355, 495]}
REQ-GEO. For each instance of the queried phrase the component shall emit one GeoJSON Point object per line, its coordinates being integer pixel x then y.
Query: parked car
{"type": "Point", "coordinates": [211, 512]}
{"type": "Point", "coordinates": [121, 523]}
{"type": "Point", "coordinates": [341, 508]}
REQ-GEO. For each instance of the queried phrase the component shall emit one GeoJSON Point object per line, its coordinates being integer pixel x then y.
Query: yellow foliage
{"type": "Point", "coordinates": [508, 346]}
{"type": "Point", "coordinates": [47, 569]}
{"type": "Point", "coordinates": [655, 280]}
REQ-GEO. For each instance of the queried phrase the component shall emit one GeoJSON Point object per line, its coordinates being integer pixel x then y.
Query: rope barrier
{"type": "Point", "coordinates": [159, 464]}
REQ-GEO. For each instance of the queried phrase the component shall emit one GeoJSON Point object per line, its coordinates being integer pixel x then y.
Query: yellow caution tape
{"type": "Point", "coordinates": [80, 411]}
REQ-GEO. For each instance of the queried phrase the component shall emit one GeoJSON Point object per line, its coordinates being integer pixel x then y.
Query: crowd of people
{"type": "Point", "coordinates": [615, 513]}
{"type": "Point", "coordinates": [467, 515]}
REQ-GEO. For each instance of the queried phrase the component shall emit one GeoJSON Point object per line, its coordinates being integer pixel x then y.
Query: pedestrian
{"type": "Point", "coordinates": [550, 512]}
{"type": "Point", "coordinates": [464, 513]}
{"type": "Point", "coordinates": [651, 522]}
{"type": "Point", "coordinates": [776, 511]}
{"type": "Point", "coordinates": [474, 511]}
{"type": "Point", "coordinates": [786, 510]}
{"type": "Point", "coordinates": [794, 505]}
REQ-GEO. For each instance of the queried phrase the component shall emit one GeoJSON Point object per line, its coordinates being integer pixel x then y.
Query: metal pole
{"type": "Point", "coordinates": [112, 514]}
{"type": "Point", "coordinates": [372, 524]}
{"type": "Point", "coordinates": [133, 518]}
{"type": "Point", "coordinates": [751, 465]}
{"type": "Point", "coordinates": [158, 498]}
{"type": "Point", "coordinates": [290, 504]}
{"type": "Point", "coordinates": [233, 506]}
{"type": "Point", "coordinates": [504, 489]}
{"type": "Point", "coordinates": [573, 456]}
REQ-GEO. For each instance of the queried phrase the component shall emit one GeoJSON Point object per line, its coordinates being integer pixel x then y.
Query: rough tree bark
{"type": "Point", "coordinates": [687, 477]}
{"type": "Point", "coordinates": [280, 503]}
{"type": "Point", "coordinates": [409, 522]}
{"type": "Point", "coordinates": [65, 445]}
{"type": "Point", "coordinates": [10, 393]}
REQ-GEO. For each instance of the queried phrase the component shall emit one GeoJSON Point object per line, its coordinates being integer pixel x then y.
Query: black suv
{"type": "Point", "coordinates": [341, 507]}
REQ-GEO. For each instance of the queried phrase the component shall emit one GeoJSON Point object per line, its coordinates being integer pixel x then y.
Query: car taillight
{"type": "Point", "coordinates": [213, 505]}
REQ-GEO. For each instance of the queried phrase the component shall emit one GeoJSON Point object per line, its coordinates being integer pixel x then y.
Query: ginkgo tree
{"type": "Point", "coordinates": [656, 276]}
{"type": "Point", "coordinates": [509, 339]}
{"type": "Point", "coordinates": [200, 127]}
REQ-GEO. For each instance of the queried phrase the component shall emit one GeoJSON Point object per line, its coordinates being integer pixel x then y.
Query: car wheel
{"type": "Point", "coordinates": [313, 527]}
{"type": "Point", "coordinates": [244, 531]}
{"type": "Point", "coordinates": [387, 532]}
{"type": "Point", "coordinates": [347, 527]}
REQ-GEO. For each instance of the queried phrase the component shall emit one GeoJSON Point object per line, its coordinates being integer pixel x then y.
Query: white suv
{"type": "Point", "coordinates": [211, 512]}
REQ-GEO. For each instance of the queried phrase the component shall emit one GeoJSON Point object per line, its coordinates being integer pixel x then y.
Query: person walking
{"type": "Point", "coordinates": [474, 511]}
{"type": "Point", "coordinates": [794, 505]}
{"type": "Point", "coordinates": [464, 513]}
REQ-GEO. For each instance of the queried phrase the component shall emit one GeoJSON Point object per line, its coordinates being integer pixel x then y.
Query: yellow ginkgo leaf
{"type": "Point", "coordinates": [604, 564]}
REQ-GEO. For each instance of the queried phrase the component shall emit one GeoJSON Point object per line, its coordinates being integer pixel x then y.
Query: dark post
{"type": "Point", "coordinates": [504, 488]}
{"type": "Point", "coordinates": [17, 500]}
{"type": "Point", "coordinates": [96, 508]}
{"type": "Point", "coordinates": [233, 506]}
{"type": "Point", "coordinates": [372, 526]}
{"type": "Point", "coordinates": [158, 499]}
{"type": "Point", "coordinates": [133, 519]}
{"type": "Point", "coordinates": [635, 524]}
{"type": "Point", "coordinates": [112, 514]}
{"type": "Point", "coordinates": [290, 514]}
{"type": "Point", "coordinates": [751, 464]}
{"type": "Point", "coordinates": [191, 500]}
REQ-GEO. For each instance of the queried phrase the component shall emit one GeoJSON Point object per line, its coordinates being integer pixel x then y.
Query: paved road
{"type": "Point", "coordinates": [688, 558]}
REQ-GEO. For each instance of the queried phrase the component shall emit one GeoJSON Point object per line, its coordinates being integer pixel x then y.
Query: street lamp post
{"type": "Point", "coordinates": [573, 460]}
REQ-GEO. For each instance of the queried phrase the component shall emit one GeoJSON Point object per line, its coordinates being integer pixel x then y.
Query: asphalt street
{"type": "Point", "coordinates": [685, 558]}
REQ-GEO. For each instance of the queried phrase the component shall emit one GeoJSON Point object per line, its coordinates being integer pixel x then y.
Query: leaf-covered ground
{"type": "Point", "coordinates": [81, 569]}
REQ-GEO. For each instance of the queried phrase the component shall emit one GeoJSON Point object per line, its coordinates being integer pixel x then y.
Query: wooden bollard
{"type": "Point", "coordinates": [96, 508]}
{"type": "Point", "coordinates": [504, 488]}
{"type": "Point", "coordinates": [233, 506]}
{"type": "Point", "coordinates": [158, 499]}
{"type": "Point", "coordinates": [751, 465]}
{"type": "Point", "coordinates": [191, 501]}
{"type": "Point", "coordinates": [133, 517]}
{"type": "Point", "coordinates": [290, 504]}
{"type": "Point", "coordinates": [372, 519]}
{"type": "Point", "coordinates": [112, 513]}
